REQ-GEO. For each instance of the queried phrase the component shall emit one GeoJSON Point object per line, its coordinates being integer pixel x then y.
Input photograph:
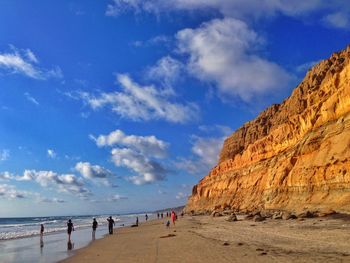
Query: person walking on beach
{"type": "Point", "coordinates": [41, 236]}
{"type": "Point", "coordinates": [94, 227]}
{"type": "Point", "coordinates": [173, 217]}
{"type": "Point", "coordinates": [146, 216]}
{"type": "Point", "coordinates": [161, 215]}
{"type": "Point", "coordinates": [70, 228]}
{"type": "Point", "coordinates": [110, 225]}
{"type": "Point", "coordinates": [41, 230]}
{"type": "Point", "coordinates": [137, 221]}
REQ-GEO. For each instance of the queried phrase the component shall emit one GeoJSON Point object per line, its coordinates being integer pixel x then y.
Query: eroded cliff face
{"type": "Point", "coordinates": [293, 156]}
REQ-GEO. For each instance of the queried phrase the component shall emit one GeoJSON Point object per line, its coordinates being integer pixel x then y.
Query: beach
{"type": "Point", "coordinates": [52, 248]}
{"type": "Point", "coordinates": [20, 240]}
{"type": "Point", "coordinates": [214, 239]}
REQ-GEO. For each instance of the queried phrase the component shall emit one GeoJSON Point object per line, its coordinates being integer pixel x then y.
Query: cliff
{"type": "Point", "coordinates": [293, 156]}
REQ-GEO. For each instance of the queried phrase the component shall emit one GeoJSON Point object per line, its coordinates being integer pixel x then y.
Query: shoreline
{"type": "Point", "coordinates": [52, 248]}
{"type": "Point", "coordinates": [45, 234]}
{"type": "Point", "coordinates": [214, 239]}
{"type": "Point", "coordinates": [54, 245]}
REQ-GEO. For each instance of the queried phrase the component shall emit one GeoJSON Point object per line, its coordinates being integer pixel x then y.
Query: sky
{"type": "Point", "coordinates": [121, 106]}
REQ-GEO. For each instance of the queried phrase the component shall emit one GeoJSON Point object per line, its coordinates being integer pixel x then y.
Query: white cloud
{"type": "Point", "coordinates": [116, 197]}
{"type": "Point", "coordinates": [338, 20]}
{"type": "Point", "coordinates": [223, 51]}
{"type": "Point", "coordinates": [236, 8]}
{"type": "Point", "coordinates": [10, 192]}
{"type": "Point", "coordinates": [31, 98]}
{"type": "Point", "coordinates": [180, 195]}
{"type": "Point", "coordinates": [96, 173]}
{"type": "Point", "coordinates": [15, 63]}
{"type": "Point", "coordinates": [55, 72]}
{"type": "Point", "coordinates": [90, 171]}
{"type": "Point", "coordinates": [167, 70]}
{"type": "Point", "coordinates": [68, 183]}
{"type": "Point", "coordinates": [144, 144]}
{"type": "Point", "coordinates": [227, 52]}
{"type": "Point", "coordinates": [25, 62]}
{"type": "Point", "coordinates": [46, 178]}
{"type": "Point", "coordinates": [306, 66]}
{"type": "Point", "coordinates": [205, 150]}
{"type": "Point", "coordinates": [4, 155]}
{"type": "Point", "coordinates": [157, 40]}
{"type": "Point", "coordinates": [119, 6]}
{"type": "Point", "coordinates": [191, 165]}
{"type": "Point", "coordinates": [31, 56]}
{"type": "Point", "coordinates": [137, 153]}
{"type": "Point", "coordinates": [206, 154]}
{"type": "Point", "coordinates": [51, 153]}
{"type": "Point", "coordinates": [50, 200]}
{"type": "Point", "coordinates": [138, 103]}
{"type": "Point", "coordinates": [27, 176]}
{"type": "Point", "coordinates": [147, 169]}
{"type": "Point", "coordinates": [5, 176]}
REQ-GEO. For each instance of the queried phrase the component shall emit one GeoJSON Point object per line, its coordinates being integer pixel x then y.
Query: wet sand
{"type": "Point", "coordinates": [208, 239]}
{"type": "Point", "coordinates": [52, 248]}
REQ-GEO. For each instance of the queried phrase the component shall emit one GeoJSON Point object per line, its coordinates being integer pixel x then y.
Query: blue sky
{"type": "Point", "coordinates": [122, 105]}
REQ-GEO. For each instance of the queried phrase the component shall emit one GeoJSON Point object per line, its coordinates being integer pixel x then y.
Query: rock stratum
{"type": "Point", "coordinates": [294, 156]}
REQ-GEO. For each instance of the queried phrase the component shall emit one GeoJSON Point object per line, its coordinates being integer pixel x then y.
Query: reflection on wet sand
{"type": "Point", "coordinates": [41, 242]}
{"type": "Point", "coordinates": [70, 245]}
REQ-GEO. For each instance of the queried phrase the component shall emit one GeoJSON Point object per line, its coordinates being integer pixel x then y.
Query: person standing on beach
{"type": "Point", "coordinates": [146, 216]}
{"type": "Point", "coordinates": [70, 228]}
{"type": "Point", "coordinates": [94, 227]}
{"type": "Point", "coordinates": [110, 225]}
{"type": "Point", "coordinates": [137, 221]}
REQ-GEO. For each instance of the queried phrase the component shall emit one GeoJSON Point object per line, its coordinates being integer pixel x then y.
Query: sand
{"type": "Point", "coordinates": [52, 248]}
{"type": "Point", "coordinates": [208, 239]}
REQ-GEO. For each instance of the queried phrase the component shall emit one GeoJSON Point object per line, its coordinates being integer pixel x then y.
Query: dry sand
{"type": "Point", "coordinates": [207, 239]}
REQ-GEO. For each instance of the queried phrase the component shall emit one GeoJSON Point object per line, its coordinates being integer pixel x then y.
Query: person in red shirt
{"type": "Point", "coordinates": [173, 217]}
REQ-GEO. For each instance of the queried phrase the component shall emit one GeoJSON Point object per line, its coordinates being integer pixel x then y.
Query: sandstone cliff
{"type": "Point", "coordinates": [293, 156]}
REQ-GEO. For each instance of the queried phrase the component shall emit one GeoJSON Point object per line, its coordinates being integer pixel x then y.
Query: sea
{"type": "Point", "coordinates": [20, 239]}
